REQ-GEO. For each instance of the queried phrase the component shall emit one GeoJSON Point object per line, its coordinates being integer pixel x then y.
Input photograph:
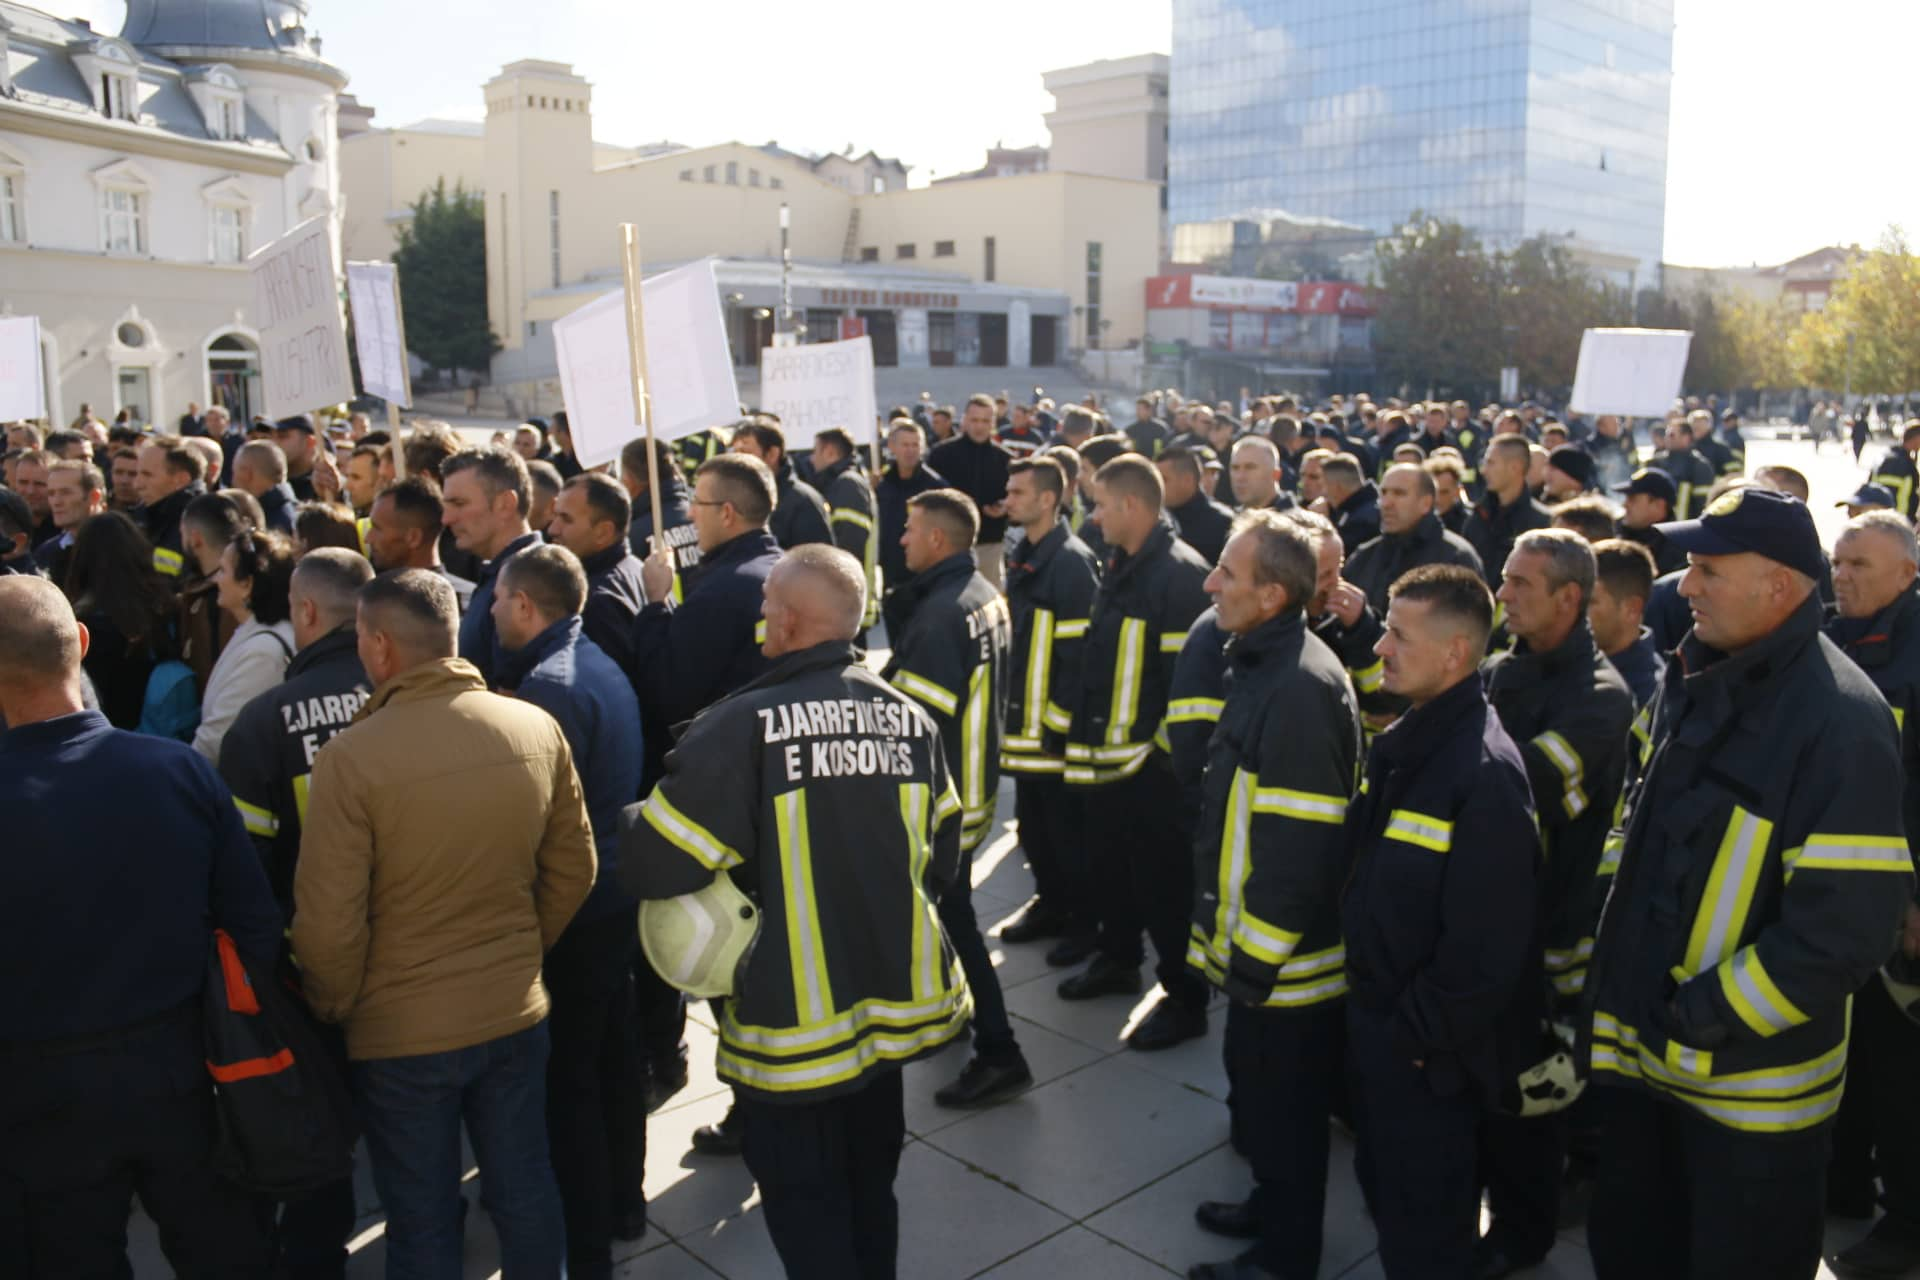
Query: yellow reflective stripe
{"type": "Point", "coordinates": [1643, 729]}
{"type": "Point", "coordinates": [302, 786]}
{"type": "Point", "coordinates": [1307, 806]}
{"type": "Point", "coordinates": [1420, 829]}
{"type": "Point", "coordinates": [1261, 940]}
{"type": "Point", "coordinates": [1069, 628]}
{"type": "Point", "coordinates": [1899, 719]}
{"type": "Point", "coordinates": [259, 822]}
{"type": "Point", "coordinates": [1088, 775]}
{"type": "Point", "coordinates": [1740, 1100]}
{"type": "Point", "coordinates": [1032, 764]}
{"type": "Point", "coordinates": [1616, 844]}
{"type": "Point", "coordinates": [760, 631]}
{"type": "Point", "coordinates": [915, 800]}
{"type": "Point", "coordinates": [1033, 699]}
{"type": "Point", "coordinates": [941, 699]}
{"type": "Point", "coordinates": [1902, 487]}
{"type": "Point", "coordinates": [859, 519]}
{"type": "Point", "coordinates": [1854, 853]}
{"type": "Point", "coordinates": [812, 992]}
{"type": "Point", "coordinates": [1753, 995]}
{"type": "Point", "coordinates": [952, 1011]}
{"type": "Point", "coordinates": [1559, 961]}
{"type": "Point", "coordinates": [687, 835]}
{"type": "Point", "coordinates": [1689, 1061]}
{"type": "Point", "coordinates": [1128, 671]}
{"type": "Point", "coordinates": [973, 742]}
{"type": "Point", "coordinates": [1192, 710]}
{"type": "Point", "coordinates": [1563, 757]}
{"type": "Point", "coordinates": [947, 805]}
{"type": "Point", "coordinates": [1729, 893]}
{"type": "Point", "coordinates": [1056, 717]}
{"type": "Point", "coordinates": [1161, 740]}
{"type": "Point", "coordinates": [1234, 862]}
{"type": "Point", "coordinates": [1172, 641]}
{"type": "Point", "coordinates": [168, 562]}
{"type": "Point", "coordinates": [1079, 752]}
{"type": "Point", "coordinates": [1369, 679]}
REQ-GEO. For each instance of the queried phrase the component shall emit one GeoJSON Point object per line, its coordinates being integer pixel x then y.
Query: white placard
{"type": "Point", "coordinates": [296, 309]}
{"type": "Point", "coordinates": [23, 388]}
{"type": "Point", "coordinates": [821, 385]}
{"type": "Point", "coordinates": [688, 363]}
{"type": "Point", "coordinates": [373, 290]}
{"type": "Point", "coordinates": [1635, 372]}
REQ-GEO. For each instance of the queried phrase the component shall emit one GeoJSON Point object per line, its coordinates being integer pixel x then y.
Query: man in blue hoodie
{"type": "Point", "coordinates": [596, 1119]}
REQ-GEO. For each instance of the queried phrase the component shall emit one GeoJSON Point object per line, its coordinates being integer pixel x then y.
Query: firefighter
{"type": "Point", "coordinates": [1569, 711]}
{"type": "Point", "coordinates": [1137, 818]}
{"type": "Point", "coordinates": [952, 658]}
{"type": "Point", "coordinates": [1762, 880]}
{"type": "Point", "coordinates": [1896, 471]}
{"type": "Point", "coordinates": [1269, 856]}
{"type": "Point", "coordinates": [1443, 961]}
{"type": "Point", "coordinates": [850, 508]}
{"type": "Point", "coordinates": [824, 793]}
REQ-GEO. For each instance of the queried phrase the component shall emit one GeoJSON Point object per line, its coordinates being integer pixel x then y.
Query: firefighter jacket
{"type": "Point", "coordinates": [1194, 703]}
{"type": "Point", "coordinates": [825, 794]}
{"type": "Point", "coordinates": [681, 537]}
{"type": "Point", "coordinates": [799, 512]}
{"type": "Point", "coordinates": [1887, 648]}
{"type": "Point", "coordinates": [696, 449]}
{"type": "Point", "coordinates": [1495, 527]}
{"type": "Point", "coordinates": [1204, 525]}
{"type": "Point", "coordinates": [1270, 851]}
{"type": "Point", "coordinates": [1357, 517]}
{"type": "Point", "coordinates": [853, 517]}
{"type": "Point", "coordinates": [1902, 479]}
{"type": "Point", "coordinates": [1379, 564]}
{"type": "Point", "coordinates": [1050, 589]}
{"type": "Point", "coordinates": [1439, 908]}
{"type": "Point", "coordinates": [1762, 877]}
{"type": "Point", "coordinates": [1568, 711]}
{"type": "Point", "coordinates": [1464, 438]}
{"type": "Point", "coordinates": [267, 754]}
{"type": "Point", "coordinates": [891, 496]}
{"type": "Point", "coordinates": [1692, 475]}
{"type": "Point", "coordinates": [952, 658]}
{"type": "Point", "coordinates": [1141, 614]}
{"type": "Point", "coordinates": [1022, 442]}
{"type": "Point", "coordinates": [162, 523]}
{"type": "Point", "coordinates": [614, 597]}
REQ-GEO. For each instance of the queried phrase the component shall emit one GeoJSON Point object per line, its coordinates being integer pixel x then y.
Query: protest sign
{"type": "Point", "coordinates": [23, 387]}
{"type": "Point", "coordinates": [825, 384]}
{"type": "Point", "coordinates": [1635, 372]}
{"type": "Point", "coordinates": [688, 363]}
{"type": "Point", "coordinates": [379, 332]}
{"type": "Point", "coordinates": [296, 310]}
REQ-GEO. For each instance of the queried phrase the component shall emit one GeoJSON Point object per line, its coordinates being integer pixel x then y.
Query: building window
{"type": "Point", "coordinates": [943, 248]}
{"type": "Point", "coordinates": [903, 251]}
{"type": "Point", "coordinates": [117, 98]}
{"type": "Point", "coordinates": [227, 119]}
{"type": "Point", "coordinates": [123, 220]}
{"type": "Point", "coordinates": [870, 253]}
{"type": "Point", "coordinates": [878, 185]}
{"type": "Point", "coordinates": [1093, 295]}
{"type": "Point", "coordinates": [227, 232]}
{"type": "Point", "coordinates": [733, 173]}
{"type": "Point", "coordinates": [775, 183]}
{"type": "Point", "coordinates": [753, 177]}
{"type": "Point", "coordinates": [13, 222]}
{"type": "Point", "coordinates": [986, 272]}
{"type": "Point", "coordinates": [711, 170]}
{"type": "Point", "coordinates": [686, 175]}
{"type": "Point", "coordinates": [553, 233]}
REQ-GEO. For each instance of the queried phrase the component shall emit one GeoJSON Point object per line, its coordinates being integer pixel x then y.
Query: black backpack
{"type": "Point", "coordinates": [286, 1122]}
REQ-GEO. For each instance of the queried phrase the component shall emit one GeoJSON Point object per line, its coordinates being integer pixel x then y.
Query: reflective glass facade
{"type": "Point", "coordinates": [1516, 117]}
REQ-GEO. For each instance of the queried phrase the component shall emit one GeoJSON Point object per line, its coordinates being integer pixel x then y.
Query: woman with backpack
{"type": "Point", "coordinates": [254, 580]}
{"type": "Point", "coordinates": [128, 610]}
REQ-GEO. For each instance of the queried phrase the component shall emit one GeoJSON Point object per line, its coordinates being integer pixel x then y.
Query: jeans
{"type": "Point", "coordinates": [413, 1107]}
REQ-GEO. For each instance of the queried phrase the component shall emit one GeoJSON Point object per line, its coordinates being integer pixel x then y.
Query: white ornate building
{"type": "Point", "coordinates": [137, 172]}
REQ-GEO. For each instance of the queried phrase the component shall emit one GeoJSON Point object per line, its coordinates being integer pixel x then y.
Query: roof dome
{"type": "Point", "coordinates": [174, 28]}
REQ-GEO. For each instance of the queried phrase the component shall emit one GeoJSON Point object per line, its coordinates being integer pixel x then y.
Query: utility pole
{"type": "Point", "coordinates": [783, 334]}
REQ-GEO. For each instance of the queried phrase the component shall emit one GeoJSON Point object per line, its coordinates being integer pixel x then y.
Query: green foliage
{"type": "Point", "coordinates": [1437, 322]}
{"type": "Point", "coordinates": [442, 264]}
{"type": "Point", "coordinates": [1869, 334]}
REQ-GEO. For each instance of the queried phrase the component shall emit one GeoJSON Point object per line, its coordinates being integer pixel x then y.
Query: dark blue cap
{"type": "Point", "coordinates": [1763, 521]}
{"type": "Point", "coordinates": [1868, 495]}
{"type": "Point", "coordinates": [298, 422]}
{"type": "Point", "coordinates": [1652, 482]}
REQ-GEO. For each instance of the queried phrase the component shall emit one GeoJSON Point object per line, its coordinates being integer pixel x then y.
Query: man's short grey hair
{"type": "Point", "coordinates": [1893, 525]}
{"type": "Point", "coordinates": [1316, 525]}
{"type": "Point", "coordinates": [1569, 559]}
{"type": "Point", "coordinates": [836, 584]}
{"type": "Point", "coordinates": [264, 458]}
{"type": "Point", "coordinates": [331, 577]}
{"type": "Point", "coordinates": [416, 609]}
{"type": "Point", "coordinates": [1342, 469]}
{"type": "Point", "coordinates": [39, 639]}
{"type": "Point", "coordinates": [1284, 553]}
{"type": "Point", "coordinates": [1261, 443]}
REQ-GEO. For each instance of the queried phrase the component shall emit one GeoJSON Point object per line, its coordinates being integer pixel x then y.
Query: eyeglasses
{"type": "Point", "coordinates": [703, 502]}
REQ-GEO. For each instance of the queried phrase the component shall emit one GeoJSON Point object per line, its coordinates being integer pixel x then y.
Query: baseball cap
{"type": "Point", "coordinates": [1730, 415]}
{"type": "Point", "coordinates": [1653, 482]}
{"type": "Point", "coordinates": [1868, 495]}
{"type": "Point", "coordinates": [1775, 525]}
{"type": "Point", "coordinates": [1575, 464]}
{"type": "Point", "coordinates": [298, 422]}
{"type": "Point", "coordinates": [699, 942]}
{"type": "Point", "coordinates": [1209, 457]}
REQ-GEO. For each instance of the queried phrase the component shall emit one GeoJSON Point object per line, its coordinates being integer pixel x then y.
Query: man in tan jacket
{"type": "Point", "coordinates": [446, 847]}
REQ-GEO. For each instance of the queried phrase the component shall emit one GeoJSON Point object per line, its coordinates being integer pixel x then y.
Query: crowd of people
{"type": "Point", "coordinates": [1540, 808]}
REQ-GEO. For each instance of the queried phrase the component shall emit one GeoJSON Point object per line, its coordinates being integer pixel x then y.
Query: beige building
{"type": "Point", "coordinates": [1804, 283]}
{"type": "Point", "coordinates": [1109, 118]}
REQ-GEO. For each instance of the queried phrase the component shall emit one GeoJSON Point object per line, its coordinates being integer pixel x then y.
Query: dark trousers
{"type": "Point", "coordinates": [659, 1020]}
{"type": "Point", "coordinates": [1138, 841]}
{"type": "Point", "coordinates": [992, 1032]}
{"type": "Point", "coordinates": [413, 1108]}
{"type": "Point", "coordinates": [1879, 1127]}
{"type": "Point", "coordinates": [596, 1096]}
{"type": "Point", "coordinates": [82, 1133]}
{"type": "Point", "coordinates": [1050, 815]}
{"type": "Point", "coordinates": [1680, 1196]}
{"type": "Point", "coordinates": [825, 1171]}
{"type": "Point", "coordinates": [1521, 1163]}
{"type": "Point", "coordinates": [1417, 1156]}
{"type": "Point", "coordinates": [1284, 1065]}
{"type": "Point", "coordinates": [310, 1240]}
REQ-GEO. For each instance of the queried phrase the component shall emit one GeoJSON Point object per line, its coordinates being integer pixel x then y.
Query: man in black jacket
{"type": "Point", "coordinates": [1692, 474]}
{"type": "Point", "coordinates": [799, 512]}
{"type": "Point", "coordinates": [261, 469]}
{"type": "Point", "coordinates": [1508, 510]}
{"type": "Point", "coordinates": [976, 464]}
{"type": "Point", "coordinates": [1411, 535]}
{"type": "Point", "coordinates": [1568, 711]}
{"type": "Point", "coordinates": [1201, 522]}
{"type": "Point", "coordinates": [168, 481]}
{"type": "Point", "coordinates": [905, 476]}
{"type": "Point", "coordinates": [485, 502]}
{"type": "Point", "coordinates": [951, 657]}
{"type": "Point", "coordinates": [850, 508]}
{"type": "Point", "coordinates": [1612, 453]}
{"type": "Point", "coordinates": [681, 538]}
{"type": "Point", "coordinates": [1353, 501]}
{"type": "Point", "coordinates": [267, 759]}
{"type": "Point", "coordinates": [591, 518]}
{"type": "Point", "coordinates": [1651, 499]}
{"type": "Point", "coordinates": [1269, 856]}
{"type": "Point", "coordinates": [1878, 1131]}
{"type": "Point", "coordinates": [1443, 961]}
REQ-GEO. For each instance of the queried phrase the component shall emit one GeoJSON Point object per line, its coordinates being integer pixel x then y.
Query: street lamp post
{"type": "Point", "coordinates": [783, 334]}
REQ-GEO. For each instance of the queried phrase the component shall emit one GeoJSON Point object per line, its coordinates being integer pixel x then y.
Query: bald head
{"type": "Point", "coordinates": [816, 594]}
{"type": "Point", "coordinates": [41, 645]}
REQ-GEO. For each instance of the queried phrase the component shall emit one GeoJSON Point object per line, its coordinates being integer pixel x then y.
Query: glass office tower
{"type": "Point", "coordinates": [1515, 117]}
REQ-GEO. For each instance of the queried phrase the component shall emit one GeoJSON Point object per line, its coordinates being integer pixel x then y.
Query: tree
{"type": "Point", "coordinates": [1869, 334]}
{"type": "Point", "coordinates": [1436, 324]}
{"type": "Point", "coordinates": [442, 264]}
{"type": "Point", "coordinates": [1760, 335]}
{"type": "Point", "coordinates": [1548, 301]}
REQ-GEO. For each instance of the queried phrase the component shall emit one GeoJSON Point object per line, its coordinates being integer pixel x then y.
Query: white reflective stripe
{"type": "Point", "coordinates": [1194, 710]}
{"type": "Point", "coordinates": [1750, 989]}
{"type": "Point", "coordinates": [1312, 963]}
{"type": "Point", "coordinates": [1233, 857]}
{"type": "Point", "coordinates": [686, 834]}
{"type": "Point", "coordinates": [1566, 959]}
{"type": "Point", "coordinates": [1369, 679]}
{"type": "Point", "coordinates": [1127, 674]}
{"type": "Point", "coordinates": [1723, 906]}
{"type": "Point", "coordinates": [1285, 996]}
{"type": "Point", "coordinates": [1081, 753]}
{"type": "Point", "coordinates": [973, 741]}
{"type": "Point", "coordinates": [1033, 702]}
{"type": "Point", "coordinates": [788, 1041]}
{"type": "Point", "coordinates": [259, 822]}
{"type": "Point", "coordinates": [804, 946]}
{"type": "Point", "coordinates": [1268, 943]}
{"type": "Point", "coordinates": [1307, 806]}
{"type": "Point", "coordinates": [940, 699]}
{"type": "Point", "coordinates": [1172, 641]}
{"type": "Point", "coordinates": [1854, 853]}
{"type": "Point", "coordinates": [1420, 829]}
{"type": "Point", "coordinates": [914, 802]}
{"type": "Point", "coordinates": [1564, 758]}
{"type": "Point", "coordinates": [848, 515]}
{"type": "Point", "coordinates": [1069, 628]}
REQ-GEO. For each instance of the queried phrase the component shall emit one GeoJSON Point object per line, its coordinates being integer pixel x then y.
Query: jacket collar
{"type": "Point", "coordinates": [341, 640]}
{"type": "Point", "coordinates": [1367, 493]}
{"type": "Point", "coordinates": [1574, 652]}
{"type": "Point", "coordinates": [832, 653]}
{"type": "Point", "coordinates": [1032, 557]}
{"type": "Point", "coordinates": [1159, 539]}
{"type": "Point", "coordinates": [59, 731]}
{"type": "Point", "coordinates": [744, 546]}
{"type": "Point", "coordinates": [277, 496]}
{"type": "Point", "coordinates": [1710, 676]}
{"type": "Point", "coordinates": [519, 663]}
{"type": "Point", "coordinates": [1415, 736]}
{"type": "Point", "coordinates": [169, 508]}
{"type": "Point", "coordinates": [606, 558]}
{"type": "Point", "coordinates": [1876, 648]}
{"type": "Point", "coordinates": [957, 567]}
{"type": "Point", "coordinates": [827, 475]}
{"type": "Point", "coordinates": [1426, 531]}
{"type": "Point", "coordinates": [492, 568]}
{"type": "Point", "coordinates": [1270, 644]}
{"type": "Point", "coordinates": [441, 678]}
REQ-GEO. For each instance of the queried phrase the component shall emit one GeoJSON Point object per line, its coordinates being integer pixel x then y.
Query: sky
{"type": "Point", "coordinates": [1788, 128]}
